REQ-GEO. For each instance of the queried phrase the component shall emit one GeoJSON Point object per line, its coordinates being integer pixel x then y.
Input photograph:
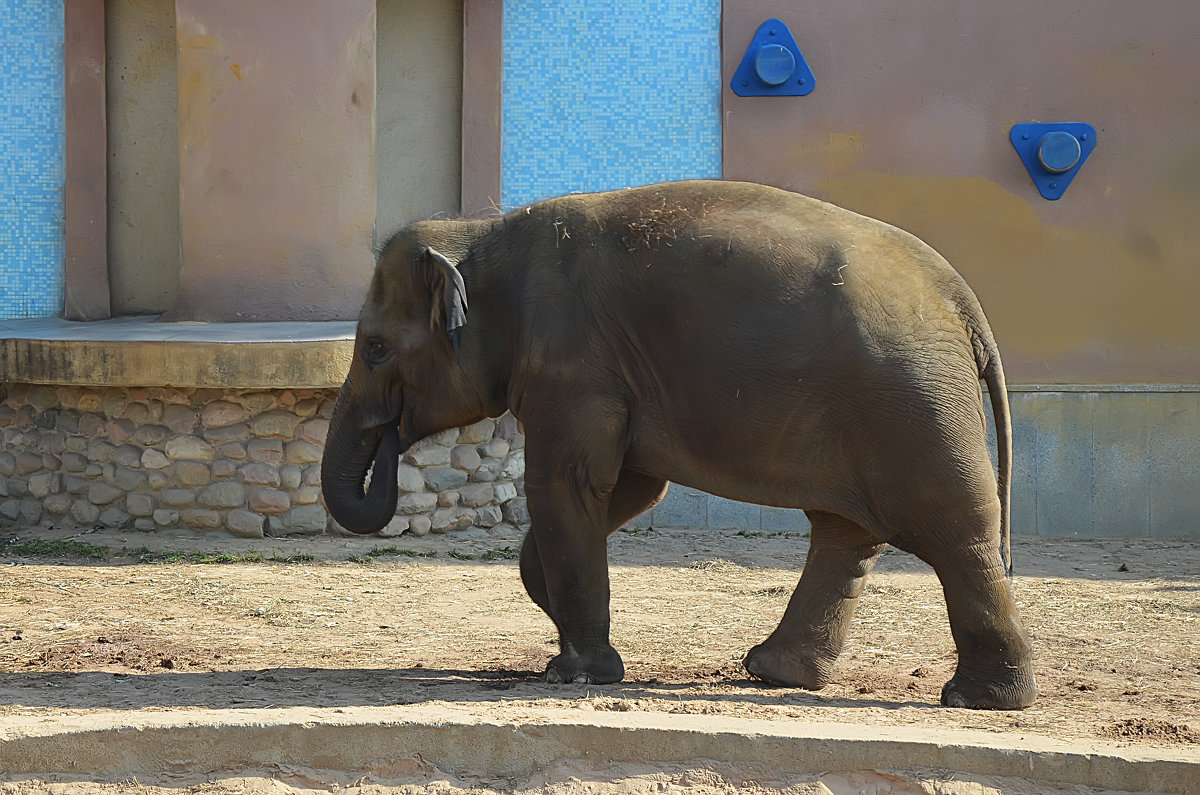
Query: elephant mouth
{"type": "Point", "coordinates": [358, 476]}
{"type": "Point", "coordinates": [379, 421]}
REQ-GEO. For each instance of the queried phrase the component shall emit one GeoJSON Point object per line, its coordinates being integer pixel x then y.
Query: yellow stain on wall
{"type": "Point", "coordinates": [200, 66]}
{"type": "Point", "coordinates": [836, 153]}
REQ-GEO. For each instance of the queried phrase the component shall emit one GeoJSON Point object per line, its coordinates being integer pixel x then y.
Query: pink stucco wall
{"type": "Point", "coordinates": [909, 122]}
{"type": "Point", "coordinates": [276, 158]}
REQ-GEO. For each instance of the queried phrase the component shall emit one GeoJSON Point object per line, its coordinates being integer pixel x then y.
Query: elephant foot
{"type": "Point", "coordinates": [601, 666]}
{"type": "Point", "coordinates": [1014, 692]}
{"type": "Point", "coordinates": [779, 666]}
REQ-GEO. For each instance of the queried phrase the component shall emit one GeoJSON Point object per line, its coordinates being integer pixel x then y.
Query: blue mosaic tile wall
{"type": "Point", "coordinates": [605, 94]}
{"type": "Point", "coordinates": [31, 158]}
{"type": "Point", "coordinates": [602, 94]}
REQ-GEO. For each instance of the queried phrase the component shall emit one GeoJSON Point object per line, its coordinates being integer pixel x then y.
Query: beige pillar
{"type": "Point", "coordinates": [276, 158]}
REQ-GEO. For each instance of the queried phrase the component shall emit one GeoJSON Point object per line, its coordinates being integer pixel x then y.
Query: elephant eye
{"type": "Point", "coordinates": [375, 351]}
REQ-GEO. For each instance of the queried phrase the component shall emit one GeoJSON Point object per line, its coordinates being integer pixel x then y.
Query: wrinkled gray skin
{"type": "Point", "coordinates": [743, 340]}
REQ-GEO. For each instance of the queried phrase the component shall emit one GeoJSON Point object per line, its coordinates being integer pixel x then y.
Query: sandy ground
{"type": "Point", "coordinates": [356, 623]}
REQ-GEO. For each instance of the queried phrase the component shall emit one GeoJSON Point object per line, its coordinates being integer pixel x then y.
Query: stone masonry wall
{"type": "Point", "coordinates": [246, 462]}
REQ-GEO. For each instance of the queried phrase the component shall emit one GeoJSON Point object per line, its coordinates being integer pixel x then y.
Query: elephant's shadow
{"type": "Point", "coordinates": [379, 687]}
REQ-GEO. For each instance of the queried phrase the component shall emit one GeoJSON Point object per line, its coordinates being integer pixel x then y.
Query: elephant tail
{"type": "Point", "coordinates": [992, 373]}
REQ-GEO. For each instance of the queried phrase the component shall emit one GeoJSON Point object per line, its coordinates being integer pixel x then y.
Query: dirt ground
{"type": "Point", "coordinates": [158, 622]}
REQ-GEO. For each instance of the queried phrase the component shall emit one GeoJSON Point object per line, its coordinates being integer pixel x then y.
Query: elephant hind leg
{"type": "Point", "coordinates": [995, 657]}
{"type": "Point", "coordinates": [802, 649]}
{"type": "Point", "coordinates": [532, 575]}
{"type": "Point", "coordinates": [634, 494]}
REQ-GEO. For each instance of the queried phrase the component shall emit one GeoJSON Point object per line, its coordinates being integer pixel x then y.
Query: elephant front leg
{"type": "Point", "coordinates": [802, 650]}
{"type": "Point", "coordinates": [571, 585]}
{"type": "Point", "coordinates": [633, 495]}
{"type": "Point", "coordinates": [564, 566]}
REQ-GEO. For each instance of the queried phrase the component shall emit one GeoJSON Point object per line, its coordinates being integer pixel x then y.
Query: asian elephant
{"type": "Point", "coordinates": [743, 340]}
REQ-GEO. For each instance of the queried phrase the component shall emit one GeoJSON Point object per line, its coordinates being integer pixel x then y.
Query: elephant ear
{"type": "Point", "coordinates": [453, 298]}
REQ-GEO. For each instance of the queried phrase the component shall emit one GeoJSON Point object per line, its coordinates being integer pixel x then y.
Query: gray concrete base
{"type": "Point", "coordinates": [518, 739]}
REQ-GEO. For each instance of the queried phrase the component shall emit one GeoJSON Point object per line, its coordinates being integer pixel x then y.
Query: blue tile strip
{"type": "Point", "coordinates": [608, 94]}
{"type": "Point", "coordinates": [31, 158]}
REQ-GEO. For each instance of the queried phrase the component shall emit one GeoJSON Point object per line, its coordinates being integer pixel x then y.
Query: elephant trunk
{"type": "Point", "coordinates": [348, 457]}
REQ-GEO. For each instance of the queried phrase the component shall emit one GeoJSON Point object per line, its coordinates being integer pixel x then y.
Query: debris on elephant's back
{"type": "Point", "coordinates": [660, 223]}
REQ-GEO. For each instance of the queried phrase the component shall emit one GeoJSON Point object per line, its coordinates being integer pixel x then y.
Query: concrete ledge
{"type": "Point", "coordinates": [1101, 389]}
{"type": "Point", "coordinates": [516, 740]}
{"type": "Point", "coordinates": [137, 351]}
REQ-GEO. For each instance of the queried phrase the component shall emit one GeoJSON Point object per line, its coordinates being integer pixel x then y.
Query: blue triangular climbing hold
{"type": "Point", "coordinates": [772, 65]}
{"type": "Point", "coordinates": [1053, 153]}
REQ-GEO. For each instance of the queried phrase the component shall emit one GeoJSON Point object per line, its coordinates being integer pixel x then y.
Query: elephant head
{"type": "Point", "coordinates": [410, 376]}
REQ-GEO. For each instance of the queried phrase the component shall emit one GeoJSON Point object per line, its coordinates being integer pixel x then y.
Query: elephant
{"type": "Point", "coordinates": [740, 339]}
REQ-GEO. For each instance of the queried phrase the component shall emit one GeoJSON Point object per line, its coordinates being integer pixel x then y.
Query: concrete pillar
{"type": "Point", "coordinates": [85, 196]}
{"type": "Point", "coordinates": [276, 158]}
{"type": "Point", "coordinates": [483, 66]}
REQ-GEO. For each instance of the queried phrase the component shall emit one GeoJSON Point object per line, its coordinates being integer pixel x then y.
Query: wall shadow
{"type": "Point", "coordinates": [367, 687]}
